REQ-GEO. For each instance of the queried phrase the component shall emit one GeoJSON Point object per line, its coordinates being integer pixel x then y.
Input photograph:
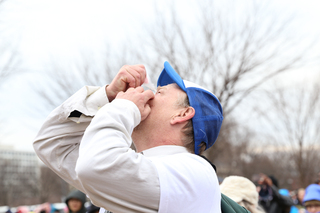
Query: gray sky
{"type": "Point", "coordinates": [59, 28]}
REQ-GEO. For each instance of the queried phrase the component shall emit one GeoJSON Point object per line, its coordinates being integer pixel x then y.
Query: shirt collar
{"type": "Point", "coordinates": [164, 150]}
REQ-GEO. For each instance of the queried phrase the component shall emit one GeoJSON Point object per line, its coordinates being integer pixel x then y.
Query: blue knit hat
{"type": "Point", "coordinates": [312, 193]}
{"type": "Point", "coordinates": [208, 111]}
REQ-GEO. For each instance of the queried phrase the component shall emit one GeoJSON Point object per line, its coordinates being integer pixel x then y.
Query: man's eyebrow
{"type": "Point", "coordinates": [161, 87]}
{"type": "Point", "coordinates": [165, 87]}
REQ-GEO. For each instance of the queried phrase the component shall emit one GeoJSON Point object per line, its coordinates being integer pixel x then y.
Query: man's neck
{"type": "Point", "coordinates": [152, 140]}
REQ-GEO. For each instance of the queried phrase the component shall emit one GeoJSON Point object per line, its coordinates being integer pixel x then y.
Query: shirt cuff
{"type": "Point", "coordinates": [97, 100]}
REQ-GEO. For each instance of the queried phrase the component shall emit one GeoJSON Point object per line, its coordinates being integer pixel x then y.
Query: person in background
{"type": "Point", "coordinates": [22, 209]}
{"type": "Point", "coordinates": [292, 209]}
{"type": "Point", "coordinates": [8, 211]}
{"type": "Point", "coordinates": [242, 191]}
{"type": "Point", "coordinates": [311, 199]}
{"type": "Point", "coordinates": [75, 202]}
{"type": "Point", "coordinates": [298, 202]}
{"type": "Point", "coordinates": [270, 198]}
{"type": "Point", "coordinates": [44, 208]}
{"type": "Point", "coordinates": [93, 209]}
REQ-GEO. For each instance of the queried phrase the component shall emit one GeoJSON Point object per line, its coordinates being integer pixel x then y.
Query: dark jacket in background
{"type": "Point", "coordinates": [92, 209]}
{"type": "Point", "coordinates": [276, 203]}
{"type": "Point", "coordinates": [80, 196]}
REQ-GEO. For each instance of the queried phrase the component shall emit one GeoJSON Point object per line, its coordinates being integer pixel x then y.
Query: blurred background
{"type": "Point", "coordinates": [261, 59]}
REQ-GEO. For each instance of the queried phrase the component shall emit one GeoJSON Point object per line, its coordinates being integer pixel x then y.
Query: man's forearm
{"type": "Point", "coordinates": [57, 142]}
{"type": "Point", "coordinates": [113, 175]}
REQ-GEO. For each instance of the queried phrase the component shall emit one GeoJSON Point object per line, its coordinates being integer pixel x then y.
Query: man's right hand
{"type": "Point", "coordinates": [140, 98]}
{"type": "Point", "coordinates": [129, 76]}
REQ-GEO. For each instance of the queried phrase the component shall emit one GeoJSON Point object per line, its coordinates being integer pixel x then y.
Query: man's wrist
{"type": "Point", "coordinates": [110, 95]}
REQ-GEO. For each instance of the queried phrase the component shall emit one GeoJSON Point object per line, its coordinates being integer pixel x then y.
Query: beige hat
{"type": "Point", "coordinates": [240, 189]}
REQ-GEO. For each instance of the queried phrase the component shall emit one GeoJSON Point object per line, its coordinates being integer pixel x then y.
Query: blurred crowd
{"type": "Point", "coordinates": [75, 202]}
{"type": "Point", "coordinates": [261, 195]}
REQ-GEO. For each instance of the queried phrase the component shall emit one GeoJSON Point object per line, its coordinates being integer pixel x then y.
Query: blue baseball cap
{"type": "Point", "coordinates": [312, 193]}
{"type": "Point", "coordinates": [208, 111]}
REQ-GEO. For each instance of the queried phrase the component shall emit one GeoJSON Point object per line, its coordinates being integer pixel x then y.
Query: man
{"type": "Point", "coordinates": [75, 202]}
{"type": "Point", "coordinates": [87, 142]}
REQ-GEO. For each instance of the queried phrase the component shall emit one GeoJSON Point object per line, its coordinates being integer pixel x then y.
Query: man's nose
{"type": "Point", "coordinates": [150, 101]}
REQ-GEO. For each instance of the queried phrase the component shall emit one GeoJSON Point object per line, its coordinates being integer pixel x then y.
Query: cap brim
{"type": "Point", "coordinates": [170, 76]}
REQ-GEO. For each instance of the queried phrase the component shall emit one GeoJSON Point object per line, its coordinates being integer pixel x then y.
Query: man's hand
{"type": "Point", "coordinates": [265, 180]}
{"type": "Point", "coordinates": [129, 76]}
{"type": "Point", "coordinates": [140, 98]}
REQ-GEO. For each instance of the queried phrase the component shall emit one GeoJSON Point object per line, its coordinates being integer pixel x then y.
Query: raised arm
{"type": "Point", "coordinates": [104, 145]}
{"type": "Point", "coordinates": [57, 142]}
{"type": "Point", "coordinates": [113, 175]}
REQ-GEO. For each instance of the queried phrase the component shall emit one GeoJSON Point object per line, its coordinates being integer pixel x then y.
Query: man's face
{"type": "Point", "coordinates": [165, 102]}
{"type": "Point", "coordinates": [163, 106]}
{"type": "Point", "coordinates": [313, 208]}
{"type": "Point", "coordinates": [74, 204]}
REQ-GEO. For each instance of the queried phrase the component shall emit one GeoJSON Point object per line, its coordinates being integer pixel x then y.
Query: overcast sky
{"type": "Point", "coordinates": [42, 29]}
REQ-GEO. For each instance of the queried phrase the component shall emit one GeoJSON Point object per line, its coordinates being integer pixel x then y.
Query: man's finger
{"type": "Point", "coordinates": [127, 79]}
{"type": "Point", "coordinates": [146, 112]}
{"type": "Point", "coordinates": [141, 66]}
{"type": "Point", "coordinates": [130, 89]}
{"type": "Point", "coordinates": [148, 94]}
{"type": "Point", "coordinates": [136, 77]}
{"type": "Point", "coordinates": [119, 94]}
{"type": "Point", "coordinates": [139, 89]}
{"type": "Point", "coordinates": [138, 72]}
{"type": "Point", "coordinates": [142, 71]}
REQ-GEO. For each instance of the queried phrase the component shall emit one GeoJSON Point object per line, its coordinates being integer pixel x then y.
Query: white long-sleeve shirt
{"type": "Point", "coordinates": [93, 154]}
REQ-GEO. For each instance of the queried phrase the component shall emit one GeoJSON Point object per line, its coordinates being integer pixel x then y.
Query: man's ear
{"type": "Point", "coordinates": [183, 115]}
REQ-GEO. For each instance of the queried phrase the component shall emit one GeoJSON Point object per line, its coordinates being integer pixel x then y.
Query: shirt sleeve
{"type": "Point", "coordinates": [57, 142]}
{"type": "Point", "coordinates": [112, 174]}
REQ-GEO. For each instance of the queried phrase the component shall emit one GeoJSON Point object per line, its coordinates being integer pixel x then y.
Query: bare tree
{"type": "Point", "coordinates": [9, 68]}
{"type": "Point", "coordinates": [294, 120]}
{"type": "Point", "coordinates": [9, 57]}
{"type": "Point", "coordinates": [8, 47]}
{"type": "Point", "coordinates": [63, 78]}
{"type": "Point", "coordinates": [232, 55]}
{"type": "Point", "coordinates": [228, 155]}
